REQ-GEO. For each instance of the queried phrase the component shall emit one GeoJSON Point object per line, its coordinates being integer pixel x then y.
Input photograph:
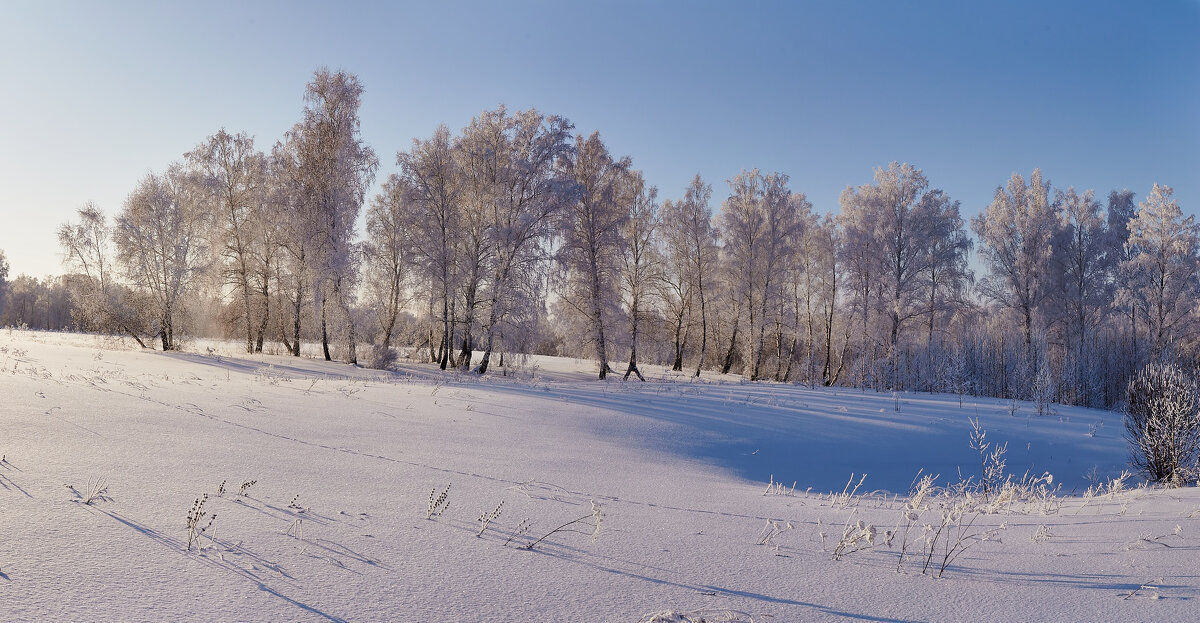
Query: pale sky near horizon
{"type": "Point", "coordinates": [1098, 94]}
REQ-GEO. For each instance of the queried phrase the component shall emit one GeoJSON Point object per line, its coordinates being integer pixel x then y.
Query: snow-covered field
{"type": "Point", "coordinates": [343, 460]}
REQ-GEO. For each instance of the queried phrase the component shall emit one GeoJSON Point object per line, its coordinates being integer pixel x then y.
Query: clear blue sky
{"type": "Point", "coordinates": [1098, 94]}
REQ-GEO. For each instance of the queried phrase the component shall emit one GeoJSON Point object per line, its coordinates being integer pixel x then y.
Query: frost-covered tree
{"type": "Point", "coordinates": [387, 254]}
{"type": "Point", "coordinates": [1015, 234]}
{"type": "Point", "coordinates": [294, 233]}
{"type": "Point", "coordinates": [592, 233]}
{"type": "Point", "coordinates": [947, 274]}
{"type": "Point", "coordinates": [861, 260]}
{"type": "Point", "coordinates": [87, 247]}
{"type": "Point", "coordinates": [799, 307]}
{"type": "Point", "coordinates": [335, 168]}
{"type": "Point", "coordinates": [742, 233]}
{"type": "Point", "coordinates": [479, 155]}
{"type": "Point", "coordinates": [702, 250]}
{"type": "Point", "coordinates": [1162, 265]}
{"type": "Point", "coordinates": [524, 197]}
{"type": "Point", "coordinates": [161, 240]}
{"type": "Point", "coordinates": [806, 291]}
{"type": "Point", "coordinates": [1081, 260]}
{"type": "Point", "coordinates": [690, 255]}
{"type": "Point", "coordinates": [99, 302]}
{"type": "Point", "coordinates": [913, 242]}
{"type": "Point", "coordinates": [430, 185]}
{"type": "Point", "coordinates": [782, 227]}
{"type": "Point", "coordinates": [759, 228]}
{"type": "Point", "coordinates": [827, 282]}
{"type": "Point", "coordinates": [641, 266]}
{"type": "Point", "coordinates": [231, 173]}
{"type": "Point", "coordinates": [268, 231]}
{"type": "Point", "coordinates": [676, 291]}
{"type": "Point", "coordinates": [1121, 209]}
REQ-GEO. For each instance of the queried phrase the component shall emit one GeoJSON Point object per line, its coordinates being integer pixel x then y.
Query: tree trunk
{"type": "Point", "coordinates": [830, 382]}
{"type": "Point", "coordinates": [283, 337]}
{"type": "Point", "coordinates": [762, 332]}
{"type": "Point", "coordinates": [266, 317]}
{"type": "Point", "coordinates": [703, 327]}
{"type": "Point", "coordinates": [810, 345]}
{"type": "Point", "coordinates": [135, 337]}
{"type": "Point", "coordinates": [493, 317]}
{"type": "Point", "coordinates": [1027, 324]}
{"type": "Point", "coordinates": [791, 359]}
{"type": "Point", "coordinates": [598, 320]}
{"type": "Point", "coordinates": [633, 333]}
{"type": "Point", "coordinates": [828, 316]}
{"type": "Point", "coordinates": [601, 355]}
{"type": "Point", "coordinates": [894, 347]}
{"type": "Point", "coordinates": [249, 323]}
{"type": "Point", "coordinates": [351, 335]}
{"type": "Point", "coordinates": [467, 352]}
{"type": "Point", "coordinates": [387, 332]}
{"type": "Point", "coordinates": [393, 311]}
{"type": "Point", "coordinates": [487, 355]}
{"type": "Point", "coordinates": [680, 340]}
{"type": "Point", "coordinates": [468, 342]}
{"type": "Point", "coordinates": [932, 310]}
{"type": "Point", "coordinates": [325, 338]}
{"type": "Point", "coordinates": [168, 332]}
{"type": "Point", "coordinates": [324, 329]}
{"type": "Point", "coordinates": [297, 306]}
{"type": "Point", "coordinates": [779, 340]}
{"type": "Point", "coordinates": [753, 349]}
{"type": "Point", "coordinates": [728, 362]}
{"type": "Point", "coordinates": [444, 349]}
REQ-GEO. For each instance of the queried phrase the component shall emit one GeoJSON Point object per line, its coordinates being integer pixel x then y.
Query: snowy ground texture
{"type": "Point", "coordinates": [343, 460]}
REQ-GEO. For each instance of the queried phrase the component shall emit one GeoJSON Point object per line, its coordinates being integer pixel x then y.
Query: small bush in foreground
{"type": "Point", "coordinates": [1162, 423]}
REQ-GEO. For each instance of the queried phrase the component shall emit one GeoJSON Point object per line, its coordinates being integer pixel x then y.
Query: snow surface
{"type": "Point", "coordinates": [345, 458]}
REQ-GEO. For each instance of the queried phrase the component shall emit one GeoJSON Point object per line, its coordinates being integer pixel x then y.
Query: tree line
{"type": "Point", "coordinates": [516, 235]}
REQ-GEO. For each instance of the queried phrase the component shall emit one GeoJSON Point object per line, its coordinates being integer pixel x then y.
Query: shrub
{"type": "Point", "coordinates": [1162, 423]}
{"type": "Point", "coordinates": [382, 358]}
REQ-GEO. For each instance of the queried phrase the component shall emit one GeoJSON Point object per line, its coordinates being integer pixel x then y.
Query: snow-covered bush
{"type": "Point", "coordinates": [382, 358]}
{"type": "Point", "coordinates": [1162, 423]}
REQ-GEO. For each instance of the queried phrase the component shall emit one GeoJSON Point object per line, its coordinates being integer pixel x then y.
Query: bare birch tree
{"type": "Point", "coordinates": [430, 179]}
{"type": "Point", "coordinates": [525, 197]}
{"type": "Point", "coordinates": [232, 174]}
{"type": "Point", "coordinates": [1163, 247]}
{"type": "Point", "coordinates": [387, 254]}
{"type": "Point", "coordinates": [1015, 236]}
{"type": "Point", "coordinates": [641, 267]}
{"type": "Point", "coordinates": [592, 228]}
{"type": "Point", "coordinates": [1081, 257]}
{"type": "Point", "coordinates": [100, 303]}
{"type": "Point", "coordinates": [903, 222]}
{"type": "Point", "coordinates": [677, 291]}
{"type": "Point", "coordinates": [160, 237]}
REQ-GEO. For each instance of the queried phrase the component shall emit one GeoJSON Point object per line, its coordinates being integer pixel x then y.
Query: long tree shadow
{"type": "Point", "coordinates": [719, 590]}
{"type": "Point", "coordinates": [305, 369]}
{"type": "Point", "coordinates": [1107, 582]}
{"type": "Point", "coordinates": [820, 436]}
